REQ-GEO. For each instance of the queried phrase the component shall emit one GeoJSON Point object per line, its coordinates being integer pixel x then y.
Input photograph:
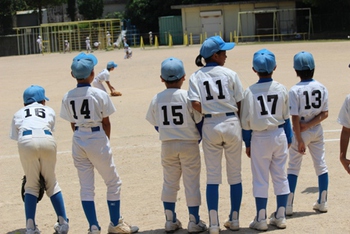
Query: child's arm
{"type": "Point", "coordinates": [72, 125]}
{"type": "Point", "coordinates": [239, 108]}
{"type": "Point", "coordinates": [297, 132]}
{"type": "Point", "coordinates": [344, 142]}
{"type": "Point", "coordinates": [110, 86]}
{"type": "Point", "coordinates": [247, 136]}
{"type": "Point", "coordinates": [197, 106]}
{"type": "Point", "coordinates": [318, 119]}
{"type": "Point", "coordinates": [106, 125]}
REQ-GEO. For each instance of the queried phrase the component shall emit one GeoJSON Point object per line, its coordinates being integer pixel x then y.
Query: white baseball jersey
{"type": "Point", "coordinates": [265, 106]}
{"type": "Point", "coordinates": [103, 76]}
{"type": "Point", "coordinates": [108, 39]}
{"type": "Point", "coordinates": [344, 113]}
{"type": "Point", "coordinates": [264, 109]}
{"type": "Point", "coordinates": [32, 127]}
{"type": "Point", "coordinates": [87, 42]}
{"type": "Point", "coordinates": [172, 112]}
{"type": "Point", "coordinates": [128, 52]}
{"type": "Point", "coordinates": [40, 43]}
{"type": "Point", "coordinates": [86, 107]}
{"type": "Point", "coordinates": [96, 44]}
{"type": "Point", "coordinates": [98, 80]}
{"type": "Point", "coordinates": [217, 88]}
{"type": "Point", "coordinates": [308, 99]}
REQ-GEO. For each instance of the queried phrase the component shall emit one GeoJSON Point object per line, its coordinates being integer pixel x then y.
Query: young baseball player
{"type": "Point", "coordinates": [40, 44]}
{"type": "Point", "coordinates": [108, 37]}
{"type": "Point", "coordinates": [216, 92]}
{"type": "Point", "coordinates": [66, 46]}
{"type": "Point", "coordinates": [88, 46]}
{"type": "Point", "coordinates": [104, 76]}
{"type": "Point", "coordinates": [266, 134]}
{"type": "Point", "coordinates": [175, 119]}
{"type": "Point", "coordinates": [128, 51]}
{"type": "Point", "coordinates": [308, 107]}
{"type": "Point", "coordinates": [32, 127]}
{"type": "Point", "coordinates": [97, 45]}
{"type": "Point", "coordinates": [344, 120]}
{"type": "Point", "coordinates": [88, 110]}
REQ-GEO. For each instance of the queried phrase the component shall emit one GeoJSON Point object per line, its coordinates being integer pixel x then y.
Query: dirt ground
{"type": "Point", "coordinates": [136, 147]}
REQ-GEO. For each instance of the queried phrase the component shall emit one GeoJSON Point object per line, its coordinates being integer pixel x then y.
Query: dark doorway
{"type": "Point", "coordinates": [264, 24]}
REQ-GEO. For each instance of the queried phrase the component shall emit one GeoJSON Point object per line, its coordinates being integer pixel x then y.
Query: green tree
{"type": "Point", "coordinates": [40, 4]}
{"type": "Point", "coordinates": [330, 15]}
{"type": "Point", "coordinates": [145, 13]}
{"type": "Point", "coordinates": [8, 8]}
{"type": "Point", "coordinates": [71, 9]}
{"type": "Point", "coordinates": [90, 9]}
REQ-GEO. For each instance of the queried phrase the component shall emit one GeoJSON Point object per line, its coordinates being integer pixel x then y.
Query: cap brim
{"type": "Point", "coordinates": [228, 46]}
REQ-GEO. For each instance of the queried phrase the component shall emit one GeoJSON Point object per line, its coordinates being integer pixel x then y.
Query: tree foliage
{"type": "Point", "coordinates": [90, 9]}
{"type": "Point", "coordinates": [40, 4]}
{"type": "Point", "coordinates": [330, 15]}
{"type": "Point", "coordinates": [145, 13]}
{"type": "Point", "coordinates": [8, 8]}
{"type": "Point", "coordinates": [71, 9]}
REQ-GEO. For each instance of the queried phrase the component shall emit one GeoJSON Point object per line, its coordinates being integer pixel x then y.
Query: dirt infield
{"type": "Point", "coordinates": [136, 146]}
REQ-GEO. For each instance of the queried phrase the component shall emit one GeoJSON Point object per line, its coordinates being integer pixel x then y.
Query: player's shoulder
{"type": "Point", "coordinates": [318, 83]}
{"type": "Point", "coordinates": [279, 85]}
{"type": "Point", "coordinates": [225, 70]}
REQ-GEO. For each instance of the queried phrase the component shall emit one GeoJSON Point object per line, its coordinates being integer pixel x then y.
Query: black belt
{"type": "Point", "coordinates": [281, 126]}
{"type": "Point", "coordinates": [227, 114]}
{"type": "Point", "coordinates": [30, 132]}
{"type": "Point", "coordinates": [93, 129]}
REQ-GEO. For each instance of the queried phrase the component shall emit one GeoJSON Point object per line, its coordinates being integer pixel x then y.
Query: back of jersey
{"type": "Point", "coordinates": [265, 105]}
{"type": "Point", "coordinates": [307, 99]}
{"type": "Point", "coordinates": [86, 106]}
{"type": "Point", "coordinates": [173, 114]}
{"type": "Point", "coordinates": [31, 117]}
{"type": "Point", "coordinates": [217, 88]}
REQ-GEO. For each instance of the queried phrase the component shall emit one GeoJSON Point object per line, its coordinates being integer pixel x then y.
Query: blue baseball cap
{"type": "Point", "coordinates": [304, 61]}
{"type": "Point", "coordinates": [34, 93]}
{"type": "Point", "coordinates": [111, 64]}
{"type": "Point", "coordinates": [172, 69]}
{"type": "Point", "coordinates": [82, 65]}
{"type": "Point", "coordinates": [264, 61]}
{"type": "Point", "coordinates": [213, 45]}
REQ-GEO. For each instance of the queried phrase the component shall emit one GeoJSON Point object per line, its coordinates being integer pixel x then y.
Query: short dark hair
{"type": "Point", "coordinates": [41, 102]}
{"type": "Point", "coordinates": [263, 73]}
{"type": "Point", "coordinates": [305, 74]}
{"type": "Point", "coordinates": [171, 81]}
